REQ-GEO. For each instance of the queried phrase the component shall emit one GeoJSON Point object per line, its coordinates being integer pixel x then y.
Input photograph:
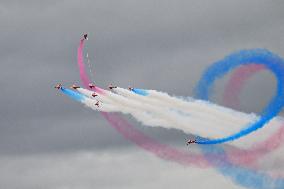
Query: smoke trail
{"type": "Point", "coordinates": [236, 82]}
{"type": "Point", "coordinates": [206, 112]}
{"type": "Point", "coordinates": [143, 93]}
{"type": "Point", "coordinates": [87, 101]}
{"type": "Point", "coordinates": [145, 114]}
{"type": "Point", "coordinates": [130, 133]}
{"type": "Point", "coordinates": [217, 70]}
{"type": "Point", "coordinates": [198, 108]}
{"type": "Point", "coordinates": [241, 175]}
{"type": "Point", "coordinates": [151, 115]}
{"type": "Point", "coordinates": [73, 94]}
{"type": "Point", "coordinates": [165, 152]}
{"type": "Point", "coordinates": [231, 98]}
{"type": "Point", "coordinates": [246, 177]}
{"type": "Point", "coordinates": [149, 144]}
{"type": "Point", "coordinates": [143, 141]}
{"type": "Point", "coordinates": [239, 156]}
{"type": "Point", "coordinates": [140, 92]}
{"type": "Point", "coordinates": [80, 60]}
{"type": "Point", "coordinates": [245, 157]}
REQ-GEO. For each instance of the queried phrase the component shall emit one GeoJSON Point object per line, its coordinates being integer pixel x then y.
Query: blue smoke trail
{"type": "Point", "coordinates": [72, 94]}
{"type": "Point", "coordinates": [241, 175]}
{"type": "Point", "coordinates": [140, 92]}
{"type": "Point", "coordinates": [215, 154]}
{"type": "Point", "coordinates": [245, 57]}
{"type": "Point", "coordinates": [245, 177]}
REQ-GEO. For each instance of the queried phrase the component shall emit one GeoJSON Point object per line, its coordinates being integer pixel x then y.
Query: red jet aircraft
{"type": "Point", "coordinates": [74, 87]}
{"type": "Point", "coordinates": [91, 85]}
{"type": "Point", "coordinates": [97, 104]}
{"type": "Point", "coordinates": [190, 142]}
{"type": "Point", "coordinates": [130, 88]}
{"type": "Point", "coordinates": [58, 86]}
{"type": "Point", "coordinates": [86, 36]}
{"type": "Point", "coordinates": [112, 87]}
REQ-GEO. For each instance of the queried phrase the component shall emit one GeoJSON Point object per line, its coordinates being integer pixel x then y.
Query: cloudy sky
{"type": "Point", "coordinates": [49, 141]}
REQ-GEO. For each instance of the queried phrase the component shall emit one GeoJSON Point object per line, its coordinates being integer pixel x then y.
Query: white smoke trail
{"type": "Point", "coordinates": [239, 119]}
{"type": "Point", "coordinates": [192, 117]}
{"type": "Point", "coordinates": [145, 113]}
{"type": "Point", "coordinates": [113, 103]}
{"type": "Point", "coordinates": [190, 105]}
{"type": "Point", "coordinates": [192, 108]}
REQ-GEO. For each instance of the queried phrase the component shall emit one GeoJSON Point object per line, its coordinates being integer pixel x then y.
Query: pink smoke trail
{"type": "Point", "coordinates": [238, 156]}
{"type": "Point", "coordinates": [83, 75]}
{"type": "Point", "coordinates": [236, 83]}
{"type": "Point", "coordinates": [131, 133]}
{"type": "Point", "coordinates": [231, 98]}
{"type": "Point", "coordinates": [249, 157]}
{"type": "Point", "coordinates": [151, 145]}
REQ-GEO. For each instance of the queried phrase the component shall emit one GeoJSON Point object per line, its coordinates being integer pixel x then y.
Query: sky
{"type": "Point", "coordinates": [163, 45]}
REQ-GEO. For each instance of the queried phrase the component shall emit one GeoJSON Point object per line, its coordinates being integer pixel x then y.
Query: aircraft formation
{"type": "Point", "coordinates": [111, 87]}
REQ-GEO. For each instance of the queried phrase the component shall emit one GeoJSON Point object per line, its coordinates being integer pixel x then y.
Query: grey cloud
{"type": "Point", "coordinates": [126, 168]}
{"type": "Point", "coordinates": [162, 45]}
{"type": "Point", "coordinates": [49, 141]}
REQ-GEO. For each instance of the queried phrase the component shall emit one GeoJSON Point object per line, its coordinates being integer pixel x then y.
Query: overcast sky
{"type": "Point", "coordinates": [159, 44]}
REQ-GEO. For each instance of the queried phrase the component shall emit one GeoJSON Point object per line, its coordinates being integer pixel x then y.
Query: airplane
{"type": "Point", "coordinates": [97, 104]}
{"type": "Point", "coordinates": [91, 85]}
{"type": "Point", "coordinates": [74, 87]}
{"type": "Point", "coordinates": [111, 87]}
{"type": "Point", "coordinates": [190, 142]}
{"type": "Point", "coordinates": [86, 36]}
{"type": "Point", "coordinates": [58, 86]}
{"type": "Point", "coordinates": [94, 95]}
{"type": "Point", "coordinates": [130, 88]}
